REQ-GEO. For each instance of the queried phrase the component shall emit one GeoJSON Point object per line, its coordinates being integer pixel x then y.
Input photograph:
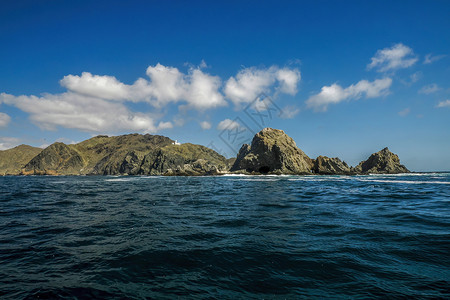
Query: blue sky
{"type": "Point", "coordinates": [342, 78]}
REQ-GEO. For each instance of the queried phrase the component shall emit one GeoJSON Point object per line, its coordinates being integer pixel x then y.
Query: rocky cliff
{"type": "Point", "coordinates": [381, 162]}
{"type": "Point", "coordinates": [185, 159]}
{"type": "Point", "coordinates": [272, 152]}
{"type": "Point", "coordinates": [131, 154]}
{"type": "Point", "coordinates": [330, 166]}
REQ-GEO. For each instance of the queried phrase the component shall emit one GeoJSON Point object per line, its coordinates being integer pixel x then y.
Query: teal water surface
{"type": "Point", "coordinates": [228, 237]}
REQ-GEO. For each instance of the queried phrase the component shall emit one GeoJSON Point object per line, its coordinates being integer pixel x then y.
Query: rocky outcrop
{"type": "Point", "coordinates": [330, 166]}
{"type": "Point", "coordinates": [12, 161]}
{"type": "Point", "coordinates": [186, 159]}
{"type": "Point", "coordinates": [131, 154]}
{"type": "Point", "coordinates": [118, 154]}
{"type": "Point", "coordinates": [381, 162]}
{"type": "Point", "coordinates": [272, 152]}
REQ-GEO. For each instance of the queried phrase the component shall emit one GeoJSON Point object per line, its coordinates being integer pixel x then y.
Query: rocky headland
{"type": "Point", "coordinates": [271, 151]}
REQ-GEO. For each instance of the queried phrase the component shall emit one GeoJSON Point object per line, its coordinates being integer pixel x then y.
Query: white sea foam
{"type": "Point", "coordinates": [235, 175]}
{"type": "Point", "coordinates": [403, 181]}
{"type": "Point", "coordinates": [118, 179]}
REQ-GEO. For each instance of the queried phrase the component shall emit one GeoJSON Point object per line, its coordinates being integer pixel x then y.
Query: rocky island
{"type": "Point", "coordinates": [271, 151]}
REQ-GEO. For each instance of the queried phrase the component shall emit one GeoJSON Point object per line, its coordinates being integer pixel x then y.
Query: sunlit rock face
{"type": "Point", "coordinates": [272, 152]}
{"type": "Point", "coordinates": [381, 162]}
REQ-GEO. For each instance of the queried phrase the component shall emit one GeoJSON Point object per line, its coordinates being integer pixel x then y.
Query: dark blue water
{"type": "Point", "coordinates": [225, 237]}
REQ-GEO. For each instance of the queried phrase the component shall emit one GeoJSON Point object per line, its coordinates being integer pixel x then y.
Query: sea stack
{"type": "Point", "coordinates": [272, 152]}
{"type": "Point", "coordinates": [381, 162]}
{"type": "Point", "coordinates": [330, 166]}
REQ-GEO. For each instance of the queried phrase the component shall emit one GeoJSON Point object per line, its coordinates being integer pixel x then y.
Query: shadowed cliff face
{"type": "Point", "coordinates": [272, 152]}
{"type": "Point", "coordinates": [330, 166]}
{"type": "Point", "coordinates": [185, 159]}
{"type": "Point", "coordinates": [381, 162]}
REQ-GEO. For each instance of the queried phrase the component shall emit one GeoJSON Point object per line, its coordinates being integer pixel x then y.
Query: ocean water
{"type": "Point", "coordinates": [229, 237]}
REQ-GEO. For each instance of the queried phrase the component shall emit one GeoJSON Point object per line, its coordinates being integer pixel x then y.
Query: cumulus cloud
{"type": "Point", "coordinates": [100, 103]}
{"type": "Point", "coordinates": [334, 93]}
{"type": "Point", "coordinates": [203, 91]}
{"type": "Point", "coordinates": [105, 87]}
{"type": "Point", "coordinates": [228, 125]}
{"type": "Point", "coordinates": [71, 110]}
{"type": "Point", "coordinates": [167, 84]}
{"type": "Point", "coordinates": [429, 58]}
{"type": "Point", "coordinates": [250, 82]}
{"type": "Point", "coordinates": [429, 89]}
{"type": "Point", "coordinates": [205, 125]}
{"type": "Point", "coordinates": [404, 112]}
{"type": "Point", "coordinates": [4, 119]}
{"type": "Point", "coordinates": [445, 103]}
{"type": "Point", "coordinates": [398, 56]}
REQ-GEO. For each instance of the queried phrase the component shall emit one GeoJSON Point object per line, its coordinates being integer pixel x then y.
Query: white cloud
{"type": "Point", "coordinates": [105, 87]}
{"type": "Point", "coordinates": [334, 93]}
{"type": "Point", "coordinates": [445, 103]}
{"type": "Point", "coordinates": [205, 125]}
{"type": "Point", "coordinates": [99, 103]}
{"type": "Point", "coordinates": [203, 91]}
{"type": "Point", "coordinates": [71, 110]}
{"type": "Point", "coordinates": [8, 142]}
{"type": "Point", "coordinates": [404, 112]}
{"type": "Point", "coordinates": [415, 77]}
{"type": "Point", "coordinates": [288, 79]}
{"type": "Point", "coordinates": [228, 124]}
{"type": "Point", "coordinates": [429, 89]}
{"type": "Point", "coordinates": [289, 112]}
{"type": "Point", "coordinates": [4, 119]}
{"type": "Point", "coordinates": [250, 82]}
{"type": "Point", "coordinates": [429, 58]}
{"type": "Point", "coordinates": [164, 125]}
{"type": "Point", "coordinates": [167, 84]}
{"type": "Point", "coordinates": [398, 56]}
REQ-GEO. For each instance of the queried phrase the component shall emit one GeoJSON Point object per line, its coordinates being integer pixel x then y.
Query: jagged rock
{"type": "Point", "coordinates": [272, 152]}
{"type": "Point", "coordinates": [12, 161]}
{"type": "Point", "coordinates": [186, 159]}
{"type": "Point", "coordinates": [132, 163]}
{"type": "Point", "coordinates": [381, 162]}
{"type": "Point", "coordinates": [330, 166]}
{"type": "Point", "coordinates": [114, 155]}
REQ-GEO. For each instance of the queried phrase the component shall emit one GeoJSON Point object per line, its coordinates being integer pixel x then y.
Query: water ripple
{"type": "Point", "coordinates": [116, 237]}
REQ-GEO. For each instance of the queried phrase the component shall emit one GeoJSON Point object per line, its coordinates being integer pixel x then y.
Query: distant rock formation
{"type": "Point", "coordinates": [381, 162]}
{"type": "Point", "coordinates": [330, 166]}
{"type": "Point", "coordinates": [132, 154]}
{"type": "Point", "coordinates": [13, 160]}
{"type": "Point", "coordinates": [186, 159]}
{"type": "Point", "coordinates": [272, 152]}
